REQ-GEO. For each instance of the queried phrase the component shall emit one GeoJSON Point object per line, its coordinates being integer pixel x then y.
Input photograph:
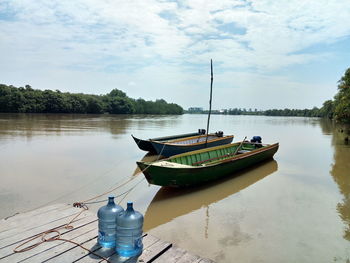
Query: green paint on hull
{"type": "Point", "coordinates": [206, 165]}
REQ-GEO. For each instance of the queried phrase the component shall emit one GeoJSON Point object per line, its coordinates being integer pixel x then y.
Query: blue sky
{"type": "Point", "coordinates": [266, 54]}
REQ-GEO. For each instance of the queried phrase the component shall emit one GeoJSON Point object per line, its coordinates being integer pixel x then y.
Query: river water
{"type": "Point", "coordinates": [295, 208]}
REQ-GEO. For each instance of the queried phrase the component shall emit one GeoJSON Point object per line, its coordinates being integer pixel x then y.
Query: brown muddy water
{"type": "Point", "coordinates": [295, 208]}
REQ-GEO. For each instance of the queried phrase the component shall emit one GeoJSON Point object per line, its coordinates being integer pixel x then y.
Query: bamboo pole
{"type": "Point", "coordinates": [239, 146]}
{"type": "Point", "coordinates": [211, 93]}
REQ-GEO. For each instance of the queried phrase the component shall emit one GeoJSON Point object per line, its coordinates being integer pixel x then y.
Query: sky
{"type": "Point", "coordinates": [266, 53]}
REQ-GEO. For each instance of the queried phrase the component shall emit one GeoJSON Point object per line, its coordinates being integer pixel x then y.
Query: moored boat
{"type": "Point", "coordinates": [178, 146]}
{"type": "Point", "coordinates": [201, 166]}
{"type": "Point", "coordinates": [146, 145]}
{"type": "Point", "coordinates": [174, 202]}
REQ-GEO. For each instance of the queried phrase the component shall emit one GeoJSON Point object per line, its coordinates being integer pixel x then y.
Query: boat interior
{"type": "Point", "coordinates": [216, 154]}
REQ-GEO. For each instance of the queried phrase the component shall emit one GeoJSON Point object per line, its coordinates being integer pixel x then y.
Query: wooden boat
{"type": "Point", "coordinates": [178, 146]}
{"type": "Point", "coordinates": [198, 167]}
{"type": "Point", "coordinates": [175, 202]}
{"type": "Point", "coordinates": [146, 145]}
{"type": "Point", "coordinates": [168, 147]}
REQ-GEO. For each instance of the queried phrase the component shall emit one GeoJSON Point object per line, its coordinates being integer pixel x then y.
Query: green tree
{"type": "Point", "coordinates": [120, 105]}
{"type": "Point", "coordinates": [327, 109]}
{"type": "Point", "coordinates": [342, 99]}
{"type": "Point", "coordinates": [117, 93]}
{"type": "Point", "coordinates": [27, 99]}
{"type": "Point", "coordinates": [94, 105]}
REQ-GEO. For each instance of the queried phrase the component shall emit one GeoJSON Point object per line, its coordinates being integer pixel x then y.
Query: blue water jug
{"type": "Point", "coordinates": [129, 232]}
{"type": "Point", "coordinates": [107, 216]}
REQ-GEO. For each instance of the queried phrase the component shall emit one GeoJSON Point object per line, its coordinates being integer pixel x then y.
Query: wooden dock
{"type": "Point", "coordinates": [20, 228]}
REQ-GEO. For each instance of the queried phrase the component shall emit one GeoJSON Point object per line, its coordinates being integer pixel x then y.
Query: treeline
{"type": "Point", "coordinates": [29, 100]}
{"type": "Point", "coordinates": [337, 109]}
{"type": "Point", "coordinates": [314, 112]}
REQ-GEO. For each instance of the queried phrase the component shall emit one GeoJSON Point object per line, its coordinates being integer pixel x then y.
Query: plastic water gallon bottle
{"type": "Point", "coordinates": [107, 216]}
{"type": "Point", "coordinates": [129, 232]}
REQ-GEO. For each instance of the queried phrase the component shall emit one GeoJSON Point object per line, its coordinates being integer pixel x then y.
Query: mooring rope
{"type": "Point", "coordinates": [82, 187]}
{"type": "Point", "coordinates": [84, 207]}
{"type": "Point", "coordinates": [78, 204]}
{"type": "Point", "coordinates": [67, 226]}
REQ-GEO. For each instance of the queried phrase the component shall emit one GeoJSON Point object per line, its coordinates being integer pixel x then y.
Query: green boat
{"type": "Point", "coordinates": [201, 166]}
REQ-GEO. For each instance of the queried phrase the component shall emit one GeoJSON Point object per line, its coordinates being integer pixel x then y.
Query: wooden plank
{"type": "Point", "coordinates": [22, 227]}
{"type": "Point", "coordinates": [206, 260]}
{"type": "Point", "coordinates": [8, 250]}
{"type": "Point", "coordinates": [147, 241]}
{"type": "Point", "coordinates": [189, 258]}
{"type": "Point", "coordinates": [154, 251]}
{"type": "Point", "coordinates": [75, 253]}
{"type": "Point", "coordinates": [172, 255]}
{"type": "Point", "coordinates": [80, 236]}
{"type": "Point", "coordinates": [31, 231]}
{"type": "Point", "coordinates": [19, 218]}
{"type": "Point", "coordinates": [29, 223]}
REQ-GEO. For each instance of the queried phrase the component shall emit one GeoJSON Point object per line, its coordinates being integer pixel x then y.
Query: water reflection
{"type": "Point", "coordinates": [149, 157]}
{"type": "Point", "coordinates": [30, 125]}
{"type": "Point", "coordinates": [170, 203]}
{"type": "Point", "coordinates": [340, 169]}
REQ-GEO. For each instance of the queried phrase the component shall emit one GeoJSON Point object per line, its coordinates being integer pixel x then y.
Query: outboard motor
{"type": "Point", "coordinates": [219, 133]}
{"type": "Point", "coordinates": [201, 131]}
{"type": "Point", "coordinates": [257, 140]}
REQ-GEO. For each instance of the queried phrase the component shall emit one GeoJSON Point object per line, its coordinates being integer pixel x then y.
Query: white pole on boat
{"type": "Point", "coordinates": [211, 93]}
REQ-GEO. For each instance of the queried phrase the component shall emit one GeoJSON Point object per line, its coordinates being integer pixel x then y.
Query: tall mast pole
{"type": "Point", "coordinates": [211, 93]}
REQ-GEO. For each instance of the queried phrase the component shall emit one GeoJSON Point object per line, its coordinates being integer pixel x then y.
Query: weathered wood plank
{"type": "Point", "coordinates": [154, 251]}
{"type": "Point", "coordinates": [8, 250]}
{"type": "Point", "coordinates": [206, 260]}
{"type": "Point", "coordinates": [172, 255]}
{"type": "Point", "coordinates": [30, 232]}
{"type": "Point", "coordinates": [49, 249]}
{"type": "Point", "coordinates": [189, 258]}
{"type": "Point", "coordinates": [31, 223]}
{"type": "Point", "coordinates": [18, 219]}
{"type": "Point", "coordinates": [148, 240]}
{"type": "Point", "coordinates": [77, 252]}
{"type": "Point", "coordinates": [19, 228]}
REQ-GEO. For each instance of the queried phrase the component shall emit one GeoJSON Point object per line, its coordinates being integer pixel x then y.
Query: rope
{"type": "Point", "coordinates": [82, 187]}
{"type": "Point", "coordinates": [68, 226]}
{"type": "Point", "coordinates": [77, 204]}
{"type": "Point", "coordinates": [81, 204]}
{"type": "Point", "coordinates": [131, 190]}
{"type": "Point", "coordinates": [50, 239]}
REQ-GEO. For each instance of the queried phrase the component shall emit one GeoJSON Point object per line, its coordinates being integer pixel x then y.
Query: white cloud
{"type": "Point", "coordinates": [129, 41]}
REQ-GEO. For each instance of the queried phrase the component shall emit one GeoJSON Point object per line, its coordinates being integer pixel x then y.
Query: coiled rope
{"type": "Point", "coordinates": [83, 205]}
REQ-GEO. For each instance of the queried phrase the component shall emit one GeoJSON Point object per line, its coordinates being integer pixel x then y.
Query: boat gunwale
{"type": "Point", "coordinates": [193, 144]}
{"type": "Point", "coordinates": [241, 156]}
{"type": "Point", "coordinates": [166, 138]}
{"type": "Point", "coordinates": [232, 159]}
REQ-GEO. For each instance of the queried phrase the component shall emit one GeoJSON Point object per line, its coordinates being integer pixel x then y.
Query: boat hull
{"type": "Point", "coordinates": [146, 145]}
{"type": "Point", "coordinates": [167, 149]}
{"type": "Point", "coordinates": [184, 177]}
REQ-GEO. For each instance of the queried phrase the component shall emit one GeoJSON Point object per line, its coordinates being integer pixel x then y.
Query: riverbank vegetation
{"type": "Point", "coordinates": [337, 109]}
{"type": "Point", "coordinates": [29, 100]}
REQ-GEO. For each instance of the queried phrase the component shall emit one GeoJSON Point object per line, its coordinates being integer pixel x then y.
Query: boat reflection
{"type": "Point", "coordinates": [170, 203]}
{"type": "Point", "coordinates": [149, 157]}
